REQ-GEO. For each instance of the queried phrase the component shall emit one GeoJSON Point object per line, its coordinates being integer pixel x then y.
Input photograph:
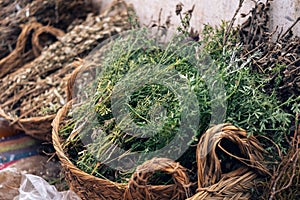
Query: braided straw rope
{"type": "Point", "coordinates": [138, 189]}
{"type": "Point", "coordinates": [236, 185]}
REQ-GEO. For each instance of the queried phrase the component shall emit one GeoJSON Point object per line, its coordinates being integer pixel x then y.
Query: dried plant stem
{"type": "Point", "coordinates": [232, 21]}
{"type": "Point", "coordinates": [290, 28]}
{"type": "Point", "coordinates": [290, 161]}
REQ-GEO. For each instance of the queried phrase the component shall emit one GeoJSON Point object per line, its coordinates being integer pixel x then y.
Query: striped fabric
{"type": "Point", "coordinates": [16, 147]}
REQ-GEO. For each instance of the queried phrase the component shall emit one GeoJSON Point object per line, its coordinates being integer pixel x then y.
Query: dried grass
{"type": "Point", "coordinates": [33, 94]}
{"type": "Point", "coordinates": [20, 55]}
{"type": "Point", "coordinates": [55, 13]}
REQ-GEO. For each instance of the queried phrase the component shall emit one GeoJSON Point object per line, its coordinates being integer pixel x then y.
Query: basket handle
{"type": "Point", "coordinates": [36, 46]}
{"type": "Point", "coordinates": [208, 164]}
{"type": "Point", "coordinates": [137, 187]}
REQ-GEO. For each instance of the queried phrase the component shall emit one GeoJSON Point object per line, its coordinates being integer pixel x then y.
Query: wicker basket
{"type": "Point", "coordinates": [38, 127]}
{"type": "Point", "coordinates": [212, 182]}
{"type": "Point", "coordinates": [90, 187]}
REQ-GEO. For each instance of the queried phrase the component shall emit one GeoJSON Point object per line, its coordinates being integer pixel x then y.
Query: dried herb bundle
{"type": "Point", "coordinates": [279, 58]}
{"type": "Point", "coordinates": [249, 104]}
{"type": "Point", "coordinates": [37, 90]}
{"type": "Point", "coordinates": [285, 181]}
{"type": "Point", "coordinates": [244, 95]}
{"type": "Point", "coordinates": [279, 62]}
{"type": "Point", "coordinates": [56, 14]}
{"type": "Point", "coordinates": [134, 61]}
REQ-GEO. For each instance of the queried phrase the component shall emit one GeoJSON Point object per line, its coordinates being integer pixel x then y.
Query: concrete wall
{"type": "Point", "coordinates": [283, 12]}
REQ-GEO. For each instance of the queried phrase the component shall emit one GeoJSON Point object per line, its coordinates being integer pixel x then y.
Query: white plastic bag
{"type": "Point", "coordinates": [36, 188]}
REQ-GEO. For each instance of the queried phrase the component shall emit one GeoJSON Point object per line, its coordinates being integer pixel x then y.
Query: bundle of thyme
{"type": "Point", "coordinates": [135, 109]}
{"type": "Point", "coordinates": [247, 104]}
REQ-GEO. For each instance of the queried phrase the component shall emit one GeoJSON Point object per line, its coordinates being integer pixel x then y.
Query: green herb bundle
{"type": "Point", "coordinates": [124, 95]}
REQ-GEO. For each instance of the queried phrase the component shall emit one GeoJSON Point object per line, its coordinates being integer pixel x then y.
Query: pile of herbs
{"type": "Point", "coordinates": [154, 105]}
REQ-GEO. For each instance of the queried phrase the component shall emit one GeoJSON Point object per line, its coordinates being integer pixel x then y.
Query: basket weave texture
{"type": "Point", "coordinates": [212, 182]}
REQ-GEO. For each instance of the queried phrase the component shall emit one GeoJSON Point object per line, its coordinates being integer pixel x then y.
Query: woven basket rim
{"type": "Point", "coordinates": [124, 188]}
{"type": "Point", "coordinates": [37, 127]}
{"type": "Point", "coordinates": [27, 119]}
{"type": "Point", "coordinates": [64, 158]}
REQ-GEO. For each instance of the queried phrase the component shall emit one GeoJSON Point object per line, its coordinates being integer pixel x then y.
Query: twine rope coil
{"type": "Point", "coordinates": [137, 187]}
{"type": "Point", "coordinates": [236, 184]}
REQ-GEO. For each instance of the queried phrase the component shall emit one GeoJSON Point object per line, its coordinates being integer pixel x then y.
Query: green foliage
{"type": "Point", "coordinates": [153, 106]}
{"type": "Point", "coordinates": [248, 106]}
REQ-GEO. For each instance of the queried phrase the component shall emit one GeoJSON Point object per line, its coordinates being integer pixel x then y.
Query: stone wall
{"type": "Point", "coordinates": [283, 12]}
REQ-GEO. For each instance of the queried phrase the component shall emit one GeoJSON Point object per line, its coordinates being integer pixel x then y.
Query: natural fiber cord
{"type": "Point", "coordinates": [236, 184]}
